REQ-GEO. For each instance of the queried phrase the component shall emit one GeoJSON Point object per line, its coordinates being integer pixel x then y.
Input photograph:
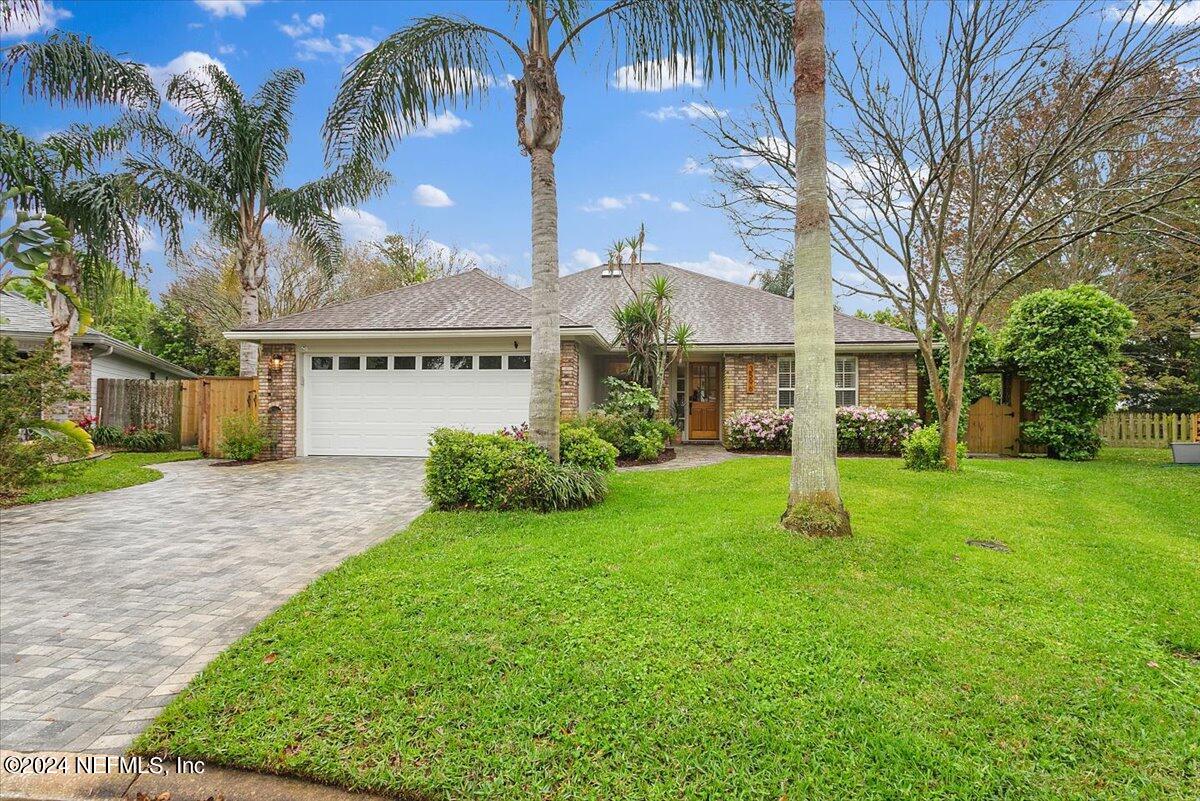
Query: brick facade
{"type": "Point", "coordinates": [568, 384]}
{"type": "Point", "coordinates": [81, 380]}
{"type": "Point", "coordinates": [887, 380]}
{"type": "Point", "coordinates": [277, 398]}
{"type": "Point", "coordinates": [742, 392]}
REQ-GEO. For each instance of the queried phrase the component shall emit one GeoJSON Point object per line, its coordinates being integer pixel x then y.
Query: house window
{"type": "Point", "coordinates": [490, 362]}
{"type": "Point", "coordinates": [518, 362]}
{"type": "Point", "coordinates": [462, 362]}
{"type": "Point", "coordinates": [404, 362]}
{"type": "Point", "coordinates": [845, 380]}
{"type": "Point", "coordinates": [349, 362]}
{"type": "Point", "coordinates": [680, 392]}
{"type": "Point", "coordinates": [787, 382]}
{"type": "Point", "coordinates": [433, 362]}
{"type": "Point", "coordinates": [377, 362]}
{"type": "Point", "coordinates": [322, 362]}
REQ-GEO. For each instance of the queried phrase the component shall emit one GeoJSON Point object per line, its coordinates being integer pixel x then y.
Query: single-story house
{"type": "Point", "coordinates": [375, 376]}
{"type": "Point", "coordinates": [94, 354]}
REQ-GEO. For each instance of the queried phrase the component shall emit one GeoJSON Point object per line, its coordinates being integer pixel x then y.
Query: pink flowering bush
{"type": "Point", "coordinates": [860, 429]}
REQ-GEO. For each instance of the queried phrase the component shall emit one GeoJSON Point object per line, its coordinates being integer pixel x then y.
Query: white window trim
{"type": "Point", "coordinates": [854, 389]}
{"type": "Point", "coordinates": [779, 388]}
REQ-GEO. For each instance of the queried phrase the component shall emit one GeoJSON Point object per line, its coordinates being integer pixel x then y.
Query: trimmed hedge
{"type": "Point", "coordinates": [860, 429]}
{"type": "Point", "coordinates": [496, 472]}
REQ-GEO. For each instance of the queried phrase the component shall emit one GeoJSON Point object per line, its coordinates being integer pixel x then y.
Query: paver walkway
{"type": "Point", "coordinates": [691, 456]}
{"type": "Point", "coordinates": [111, 603]}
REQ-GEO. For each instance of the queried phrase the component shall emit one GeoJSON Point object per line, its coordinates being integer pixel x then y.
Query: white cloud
{"type": "Point", "coordinates": [227, 8]}
{"type": "Point", "coordinates": [184, 62]}
{"type": "Point", "coordinates": [360, 226]}
{"type": "Point", "coordinates": [36, 20]}
{"type": "Point", "coordinates": [430, 195]}
{"type": "Point", "coordinates": [650, 247]}
{"type": "Point", "coordinates": [722, 267]}
{"type": "Point", "coordinates": [776, 148]}
{"type": "Point", "coordinates": [461, 256]}
{"type": "Point", "coordinates": [675, 205]}
{"type": "Point", "coordinates": [693, 167]}
{"type": "Point", "coordinates": [610, 203]}
{"type": "Point", "coordinates": [582, 259]}
{"type": "Point", "coordinates": [299, 27]}
{"type": "Point", "coordinates": [341, 46]}
{"type": "Point", "coordinates": [688, 111]}
{"type": "Point", "coordinates": [1186, 13]}
{"type": "Point", "coordinates": [445, 123]}
{"type": "Point", "coordinates": [195, 26]}
{"type": "Point", "coordinates": [226, 50]}
{"type": "Point", "coordinates": [656, 76]}
{"type": "Point", "coordinates": [147, 241]}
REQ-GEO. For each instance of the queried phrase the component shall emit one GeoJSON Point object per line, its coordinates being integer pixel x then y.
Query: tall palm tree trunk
{"type": "Point", "coordinates": [64, 316]}
{"type": "Point", "coordinates": [545, 345]}
{"type": "Point", "coordinates": [251, 272]}
{"type": "Point", "coordinates": [814, 503]}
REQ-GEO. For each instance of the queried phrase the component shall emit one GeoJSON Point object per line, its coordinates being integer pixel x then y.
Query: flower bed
{"type": "Point", "coordinates": [860, 429]}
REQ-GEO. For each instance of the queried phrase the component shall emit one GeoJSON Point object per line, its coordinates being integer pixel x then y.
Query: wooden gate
{"type": "Point", "coordinates": [992, 428]}
{"type": "Point", "coordinates": [206, 402]}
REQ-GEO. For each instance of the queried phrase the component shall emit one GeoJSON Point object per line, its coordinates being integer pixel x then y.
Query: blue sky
{"type": "Point", "coordinates": [463, 181]}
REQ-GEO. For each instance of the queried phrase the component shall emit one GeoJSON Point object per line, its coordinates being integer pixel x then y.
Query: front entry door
{"type": "Point", "coordinates": [704, 389]}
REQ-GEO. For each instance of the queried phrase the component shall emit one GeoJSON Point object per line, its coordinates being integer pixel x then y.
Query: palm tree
{"type": "Point", "coordinates": [814, 502]}
{"type": "Point", "coordinates": [225, 166]}
{"type": "Point", "coordinates": [436, 61]}
{"type": "Point", "coordinates": [62, 176]}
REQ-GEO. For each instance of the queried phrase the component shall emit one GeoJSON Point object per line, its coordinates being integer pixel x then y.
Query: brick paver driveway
{"type": "Point", "coordinates": [110, 603]}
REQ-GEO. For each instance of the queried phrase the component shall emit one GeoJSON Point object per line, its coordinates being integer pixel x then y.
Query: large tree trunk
{"type": "Point", "coordinates": [64, 317]}
{"type": "Point", "coordinates": [545, 373]}
{"type": "Point", "coordinates": [252, 270]}
{"type": "Point", "coordinates": [814, 503]}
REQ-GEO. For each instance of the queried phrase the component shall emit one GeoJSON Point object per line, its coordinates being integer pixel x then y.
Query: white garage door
{"type": "Point", "coordinates": [387, 405]}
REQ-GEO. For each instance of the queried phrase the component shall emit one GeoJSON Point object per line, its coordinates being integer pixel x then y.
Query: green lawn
{"type": "Point", "coordinates": [677, 643]}
{"type": "Point", "coordinates": [118, 470]}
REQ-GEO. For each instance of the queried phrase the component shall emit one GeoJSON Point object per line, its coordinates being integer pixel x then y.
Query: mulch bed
{"type": "Point", "coordinates": [667, 455]}
{"type": "Point", "coordinates": [239, 463]}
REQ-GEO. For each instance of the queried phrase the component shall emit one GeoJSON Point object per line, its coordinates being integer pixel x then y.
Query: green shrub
{"type": "Point", "coordinates": [1067, 343]}
{"type": "Point", "coordinates": [923, 449]}
{"type": "Point", "coordinates": [242, 437]}
{"type": "Point", "coordinates": [546, 487]}
{"type": "Point", "coordinates": [627, 398]}
{"type": "Point", "coordinates": [71, 430]}
{"type": "Point", "coordinates": [647, 447]}
{"type": "Point", "coordinates": [620, 430]}
{"type": "Point", "coordinates": [580, 446]}
{"type": "Point", "coordinates": [147, 439]}
{"type": "Point", "coordinates": [106, 435]}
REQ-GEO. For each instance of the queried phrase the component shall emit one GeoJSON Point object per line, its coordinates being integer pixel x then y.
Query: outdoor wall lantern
{"type": "Point", "coordinates": [276, 362]}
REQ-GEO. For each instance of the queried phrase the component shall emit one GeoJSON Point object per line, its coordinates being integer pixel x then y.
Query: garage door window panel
{"type": "Point", "coordinates": [490, 362]}
{"type": "Point", "coordinates": [462, 362]}
{"type": "Point", "coordinates": [322, 362]}
{"type": "Point", "coordinates": [433, 362]}
{"type": "Point", "coordinates": [404, 363]}
{"type": "Point", "coordinates": [349, 362]}
{"type": "Point", "coordinates": [518, 362]}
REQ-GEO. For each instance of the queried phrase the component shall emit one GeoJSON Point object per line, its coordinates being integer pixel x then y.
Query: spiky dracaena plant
{"type": "Point", "coordinates": [225, 165]}
{"type": "Point", "coordinates": [647, 329]}
{"type": "Point", "coordinates": [438, 61]}
{"type": "Point", "coordinates": [64, 176]}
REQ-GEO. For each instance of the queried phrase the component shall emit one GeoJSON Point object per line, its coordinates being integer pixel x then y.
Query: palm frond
{"type": "Point", "coordinates": [67, 69]}
{"type": "Point", "coordinates": [434, 63]}
{"type": "Point", "coordinates": [317, 231]}
{"type": "Point", "coordinates": [351, 183]}
{"type": "Point", "coordinates": [82, 147]}
{"type": "Point", "coordinates": [272, 104]}
{"type": "Point", "coordinates": [186, 190]}
{"type": "Point", "coordinates": [709, 39]}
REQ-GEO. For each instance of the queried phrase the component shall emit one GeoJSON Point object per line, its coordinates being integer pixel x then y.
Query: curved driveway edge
{"type": "Point", "coordinates": [110, 603]}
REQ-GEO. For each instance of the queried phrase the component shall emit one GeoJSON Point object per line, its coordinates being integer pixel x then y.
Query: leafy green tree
{"type": "Point", "coordinates": [1067, 343]}
{"type": "Point", "coordinates": [63, 177]}
{"type": "Point", "coordinates": [226, 166]}
{"type": "Point", "coordinates": [781, 280]}
{"type": "Point", "coordinates": [437, 61]}
{"type": "Point", "coordinates": [178, 337]}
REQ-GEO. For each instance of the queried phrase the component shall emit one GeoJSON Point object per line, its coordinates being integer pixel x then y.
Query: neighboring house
{"type": "Point", "coordinates": [94, 355]}
{"type": "Point", "coordinates": [375, 376]}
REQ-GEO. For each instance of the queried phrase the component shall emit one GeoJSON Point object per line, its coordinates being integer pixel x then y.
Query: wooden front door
{"type": "Point", "coordinates": [992, 428]}
{"type": "Point", "coordinates": [704, 391]}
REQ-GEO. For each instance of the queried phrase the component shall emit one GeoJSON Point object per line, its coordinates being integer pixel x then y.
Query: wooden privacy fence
{"type": "Point", "coordinates": [191, 410]}
{"type": "Point", "coordinates": [206, 402]}
{"type": "Point", "coordinates": [1148, 429]}
{"type": "Point", "coordinates": [139, 402]}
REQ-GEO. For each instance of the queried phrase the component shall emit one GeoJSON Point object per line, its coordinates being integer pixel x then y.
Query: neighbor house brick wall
{"type": "Point", "coordinates": [277, 398]}
{"type": "Point", "coordinates": [749, 383]}
{"type": "Point", "coordinates": [568, 386]}
{"type": "Point", "coordinates": [81, 381]}
{"type": "Point", "coordinates": [887, 380]}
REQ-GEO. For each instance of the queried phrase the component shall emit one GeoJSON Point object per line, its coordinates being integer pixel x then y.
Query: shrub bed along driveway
{"type": "Point", "coordinates": [676, 642]}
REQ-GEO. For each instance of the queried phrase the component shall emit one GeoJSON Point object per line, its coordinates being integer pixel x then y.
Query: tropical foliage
{"type": "Point", "coordinates": [1067, 344]}
{"type": "Point", "coordinates": [650, 334]}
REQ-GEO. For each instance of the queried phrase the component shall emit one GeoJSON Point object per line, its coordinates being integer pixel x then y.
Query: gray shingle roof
{"type": "Point", "coordinates": [472, 299]}
{"type": "Point", "coordinates": [719, 312]}
{"type": "Point", "coordinates": [18, 316]}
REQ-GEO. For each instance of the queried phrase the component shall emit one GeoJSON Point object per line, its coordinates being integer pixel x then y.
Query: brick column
{"type": "Point", "coordinates": [81, 380]}
{"type": "Point", "coordinates": [277, 398]}
{"type": "Point", "coordinates": [568, 386]}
